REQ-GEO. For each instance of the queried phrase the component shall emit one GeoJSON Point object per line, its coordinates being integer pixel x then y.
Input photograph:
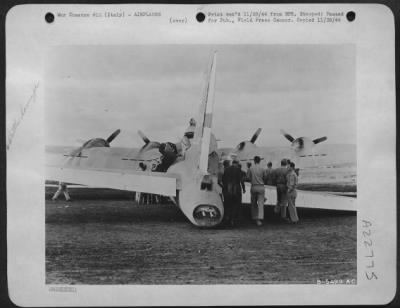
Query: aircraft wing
{"type": "Point", "coordinates": [309, 199]}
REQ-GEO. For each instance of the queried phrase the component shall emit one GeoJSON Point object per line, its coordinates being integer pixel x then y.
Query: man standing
{"type": "Point", "coordinates": [269, 175]}
{"type": "Point", "coordinates": [292, 193]}
{"type": "Point", "coordinates": [233, 185]}
{"type": "Point", "coordinates": [220, 174]}
{"type": "Point", "coordinates": [221, 171]}
{"type": "Point", "coordinates": [281, 189]}
{"type": "Point", "coordinates": [256, 176]}
{"type": "Point", "coordinates": [62, 188]}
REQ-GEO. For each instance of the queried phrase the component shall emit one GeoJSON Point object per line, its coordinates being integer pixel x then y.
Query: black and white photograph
{"type": "Point", "coordinates": [152, 144]}
{"type": "Point", "coordinates": [239, 151]}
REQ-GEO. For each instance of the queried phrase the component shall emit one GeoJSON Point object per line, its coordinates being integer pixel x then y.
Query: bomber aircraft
{"type": "Point", "coordinates": [187, 171]}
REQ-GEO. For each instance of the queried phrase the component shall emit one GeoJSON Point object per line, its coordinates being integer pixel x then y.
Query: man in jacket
{"type": "Point", "coordinates": [233, 185]}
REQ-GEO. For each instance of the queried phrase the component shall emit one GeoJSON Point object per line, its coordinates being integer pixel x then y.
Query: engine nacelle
{"type": "Point", "coordinates": [96, 143]}
{"type": "Point", "coordinates": [302, 146]}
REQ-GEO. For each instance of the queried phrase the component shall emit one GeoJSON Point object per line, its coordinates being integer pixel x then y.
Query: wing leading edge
{"type": "Point", "coordinates": [154, 182]}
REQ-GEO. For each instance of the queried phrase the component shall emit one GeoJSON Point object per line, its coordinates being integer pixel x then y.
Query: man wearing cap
{"type": "Point", "coordinates": [256, 176]}
{"type": "Point", "coordinates": [291, 179]}
{"type": "Point", "coordinates": [281, 189]}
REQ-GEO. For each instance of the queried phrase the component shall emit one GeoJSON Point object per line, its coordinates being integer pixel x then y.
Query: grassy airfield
{"type": "Point", "coordinates": [105, 237]}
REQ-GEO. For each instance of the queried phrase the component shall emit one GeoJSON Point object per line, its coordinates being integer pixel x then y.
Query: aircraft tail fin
{"type": "Point", "coordinates": [202, 134]}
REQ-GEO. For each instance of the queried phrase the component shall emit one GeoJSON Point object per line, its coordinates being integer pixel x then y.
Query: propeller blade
{"type": "Point", "coordinates": [287, 136]}
{"type": "Point", "coordinates": [318, 140]}
{"type": "Point", "coordinates": [149, 146]}
{"type": "Point", "coordinates": [255, 136]}
{"type": "Point", "coordinates": [113, 135]}
{"type": "Point", "coordinates": [143, 136]}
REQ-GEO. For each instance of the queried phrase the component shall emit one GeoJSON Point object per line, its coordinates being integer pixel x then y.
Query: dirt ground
{"type": "Point", "coordinates": [104, 237]}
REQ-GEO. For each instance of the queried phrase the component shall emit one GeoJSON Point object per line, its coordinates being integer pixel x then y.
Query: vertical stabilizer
{"type": "Point", "coordinates": [203, 128]}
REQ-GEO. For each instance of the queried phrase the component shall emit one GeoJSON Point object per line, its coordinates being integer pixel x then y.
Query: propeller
{"type": "Point", "coordinates": [252, 140]}
{"type": "Point", "coordinates": [302, 145]}
{"type": "Point", "coordinates": [287, 136]}
{"type": "Point", "coordinates": [95, 142]}
{"type": "Point", "coordinates": [318, 140]}
{"type": "Point", "coordinates": [148, 144]}
{"type": "Point", "coordinates": [249, 144]}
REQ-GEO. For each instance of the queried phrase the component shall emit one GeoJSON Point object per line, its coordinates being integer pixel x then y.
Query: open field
{"type": "Point", "coordinates": [104, 237]}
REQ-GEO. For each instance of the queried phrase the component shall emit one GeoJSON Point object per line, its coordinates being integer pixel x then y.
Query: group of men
{"type": "Point", "coordinates": [284, 178]}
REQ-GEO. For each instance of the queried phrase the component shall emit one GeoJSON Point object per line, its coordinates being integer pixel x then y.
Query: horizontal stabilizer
{"type": "Point", "coordinates": [154, 182]}
{"type": "Point", "coordinates": [318, 140]}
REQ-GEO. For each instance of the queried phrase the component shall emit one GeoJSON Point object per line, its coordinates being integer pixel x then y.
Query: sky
{"type": "Point", "coordinates": [307, 90]}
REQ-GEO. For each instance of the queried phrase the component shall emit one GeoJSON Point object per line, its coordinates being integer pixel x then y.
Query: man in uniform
{"type": "Point", "coordinates": [269, 175]}
{"type": "Point", "coordinates": [292, 193]}
{"type": "Point", "coordinates": [256, 176]}
{"type": "Point", "coordinates": [281, 189]}
{"type": "Point", "coordinates": [233, 185]}
{"type": "Point", "coordinates": [220, 174]}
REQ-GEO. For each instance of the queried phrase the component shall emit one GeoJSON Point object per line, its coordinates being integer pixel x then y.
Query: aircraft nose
{"type": "Point", "coordinates": [207, 215]}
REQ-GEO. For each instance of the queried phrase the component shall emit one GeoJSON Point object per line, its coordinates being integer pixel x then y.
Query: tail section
{"type": "Point", "coordinates": [203, 128]}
